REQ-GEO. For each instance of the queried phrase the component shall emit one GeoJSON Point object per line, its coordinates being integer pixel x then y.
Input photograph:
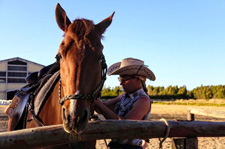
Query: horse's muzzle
{"type": "Point", "coordinates": [75, 122]}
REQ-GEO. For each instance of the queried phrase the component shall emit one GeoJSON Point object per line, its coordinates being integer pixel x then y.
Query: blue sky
{"type": "Point", "coordinates": [182, 42]}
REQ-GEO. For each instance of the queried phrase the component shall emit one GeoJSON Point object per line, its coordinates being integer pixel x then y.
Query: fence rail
{"type": "Point", "coordinates": [212, 113]}
{"type": "Point", "coordinates": [5, 102]}
{"type": "Point", "coordinates": [53, 135]}
{"type": "Point", "coordinates": [192, 142]}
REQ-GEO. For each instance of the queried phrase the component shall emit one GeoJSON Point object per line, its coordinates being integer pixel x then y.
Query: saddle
{"type": "Point", "coordinates": [40, 84]}
{"type": "Point", "coordinates": [35, 77]}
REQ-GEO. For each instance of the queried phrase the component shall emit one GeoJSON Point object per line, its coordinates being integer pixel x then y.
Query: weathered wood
{"type": "Point", "coordinates": [184, 143]}
{"type": "Point", "coordinates": [190, 116]}
{"type": "Point", "coordinates": [178, 143]}
{"type": "Point", "coordinates": [208, 112]}
{"type": "Point", "coordinates": [53, 135]}
{"type": "Point", "coordinates": [181, 143]}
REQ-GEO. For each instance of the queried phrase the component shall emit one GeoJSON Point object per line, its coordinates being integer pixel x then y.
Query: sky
{"type": "Point", "coordinates": [182, 42]}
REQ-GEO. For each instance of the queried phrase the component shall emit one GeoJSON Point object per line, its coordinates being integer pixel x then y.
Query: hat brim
{"type": "Point", "coordinates": [131, 70]}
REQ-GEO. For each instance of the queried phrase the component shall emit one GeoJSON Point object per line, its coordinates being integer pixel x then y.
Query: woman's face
{"type": "Point", "coordinates": [129, 83]}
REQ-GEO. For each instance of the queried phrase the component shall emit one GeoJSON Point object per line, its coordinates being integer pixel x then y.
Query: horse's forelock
{"type": "Point", "coordinates": [82, 27]}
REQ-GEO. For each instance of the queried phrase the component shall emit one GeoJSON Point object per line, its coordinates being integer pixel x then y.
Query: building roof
{"type": "Point", "coordinates": [20, 59]}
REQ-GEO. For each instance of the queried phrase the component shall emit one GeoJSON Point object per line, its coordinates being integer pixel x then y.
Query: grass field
{"type": "Point", "coordinates": [197, 102]}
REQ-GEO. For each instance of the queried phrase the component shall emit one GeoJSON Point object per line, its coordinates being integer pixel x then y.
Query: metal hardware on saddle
{"type": "Point", "coordinates": [93, 94]}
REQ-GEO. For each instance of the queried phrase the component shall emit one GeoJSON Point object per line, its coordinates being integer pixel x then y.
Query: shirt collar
{"type": "Point", "coordinates": [133, 95]}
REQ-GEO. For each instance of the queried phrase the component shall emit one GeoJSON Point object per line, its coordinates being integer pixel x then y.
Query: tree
{"type": "Point", "coordinates": [202, 92]}
{"type": "Point", "coordinates": [106, 91]}
{"type": "Point", "coordinates": [170, 90]}
{"type": "Point", "coordinates": [207, 93]}
{"type": "Point", "coordinates": [182, 90]}
{"type": "Point", "coordinates": [150, 89]}
{"type": "Point", "coordinates": [117, 91]}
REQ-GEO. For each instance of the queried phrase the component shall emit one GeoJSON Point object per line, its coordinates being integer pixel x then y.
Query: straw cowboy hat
{"type": "Point", "coordinates": [131, 66]}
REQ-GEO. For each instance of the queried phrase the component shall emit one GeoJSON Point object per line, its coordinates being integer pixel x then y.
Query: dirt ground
{"type": "Point", "coordinates": [169, 112]}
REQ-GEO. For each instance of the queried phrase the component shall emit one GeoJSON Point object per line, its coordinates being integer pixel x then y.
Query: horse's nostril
{"type": "Point", "coordinates": [82, 118]}
{"type": "Point", "coordinates": [85, 116]}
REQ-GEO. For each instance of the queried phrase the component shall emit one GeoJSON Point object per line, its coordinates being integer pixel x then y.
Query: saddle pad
{"type": "Point", "coordinates": [44, 93]}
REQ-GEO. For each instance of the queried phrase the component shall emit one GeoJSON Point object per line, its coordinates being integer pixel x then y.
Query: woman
{"type": "Point", "coordinates": [134, 104]}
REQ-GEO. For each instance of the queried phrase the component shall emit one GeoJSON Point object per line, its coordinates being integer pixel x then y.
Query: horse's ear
{"type": "Point", "coordinates": [101, 27]}
{"type": "Point", "coordinates": [61, 18]}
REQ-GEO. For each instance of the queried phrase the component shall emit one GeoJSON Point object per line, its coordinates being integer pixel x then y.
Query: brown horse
{"type": "Point", "coordinates": [82, 74]}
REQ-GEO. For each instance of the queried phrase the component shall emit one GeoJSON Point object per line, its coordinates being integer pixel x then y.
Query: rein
{"type": "Point", "coordinates": [92, 95]}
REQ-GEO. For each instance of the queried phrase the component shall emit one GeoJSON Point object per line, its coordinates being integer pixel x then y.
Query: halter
{"type": "Point", "coordinates": [92, 95]}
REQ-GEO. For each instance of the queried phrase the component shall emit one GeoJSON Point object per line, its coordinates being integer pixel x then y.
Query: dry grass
{"type": "Point", "coordinates": [198, 102]}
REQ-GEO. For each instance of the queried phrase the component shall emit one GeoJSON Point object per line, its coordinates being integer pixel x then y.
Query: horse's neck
{"type": "Point", "coordinates": [51, 112]}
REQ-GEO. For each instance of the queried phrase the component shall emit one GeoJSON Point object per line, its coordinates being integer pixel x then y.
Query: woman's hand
{"type": "Point", "coordinates": [95, 105]}
{"type": "Point", "coordinates": [98, 101]}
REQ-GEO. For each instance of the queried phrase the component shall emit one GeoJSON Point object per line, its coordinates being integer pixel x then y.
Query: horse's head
{"type": "Point", "coordinates": [82, 68]}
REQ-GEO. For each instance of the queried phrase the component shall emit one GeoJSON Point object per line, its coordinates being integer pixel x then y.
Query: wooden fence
{"type": "Point", "coordinates": [192, 142]}
{"type": "Point", "coordinates": [5, 102]}
{"type": "Point", "coordinates": [53, 135]}
{"type": "Point", "coordinates": [212, 113]}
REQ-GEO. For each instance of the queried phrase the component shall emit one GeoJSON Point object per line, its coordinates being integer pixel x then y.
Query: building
{"type": "Point", "coordinates": [12, 75]}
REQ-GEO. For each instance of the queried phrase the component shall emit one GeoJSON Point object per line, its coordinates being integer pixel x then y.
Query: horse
{"type": "Point", "coordinates": [81, 75]}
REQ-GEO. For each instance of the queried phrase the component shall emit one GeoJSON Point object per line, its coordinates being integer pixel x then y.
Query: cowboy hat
{"type": "Point", "coordinates": [131, 66]}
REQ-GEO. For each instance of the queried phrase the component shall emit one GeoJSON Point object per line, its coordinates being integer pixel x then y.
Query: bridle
{"type": "Point", "coordinates": [95, 94]}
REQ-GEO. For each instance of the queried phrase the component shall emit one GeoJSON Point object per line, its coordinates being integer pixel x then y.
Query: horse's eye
{"type": "Point", "coordinates": [58, 57]}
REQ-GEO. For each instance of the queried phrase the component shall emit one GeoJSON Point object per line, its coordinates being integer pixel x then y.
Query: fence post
{"type": "Point", "coordinates": [186, 143]}
{"type": "Point", "coordinates": [190, 116]}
